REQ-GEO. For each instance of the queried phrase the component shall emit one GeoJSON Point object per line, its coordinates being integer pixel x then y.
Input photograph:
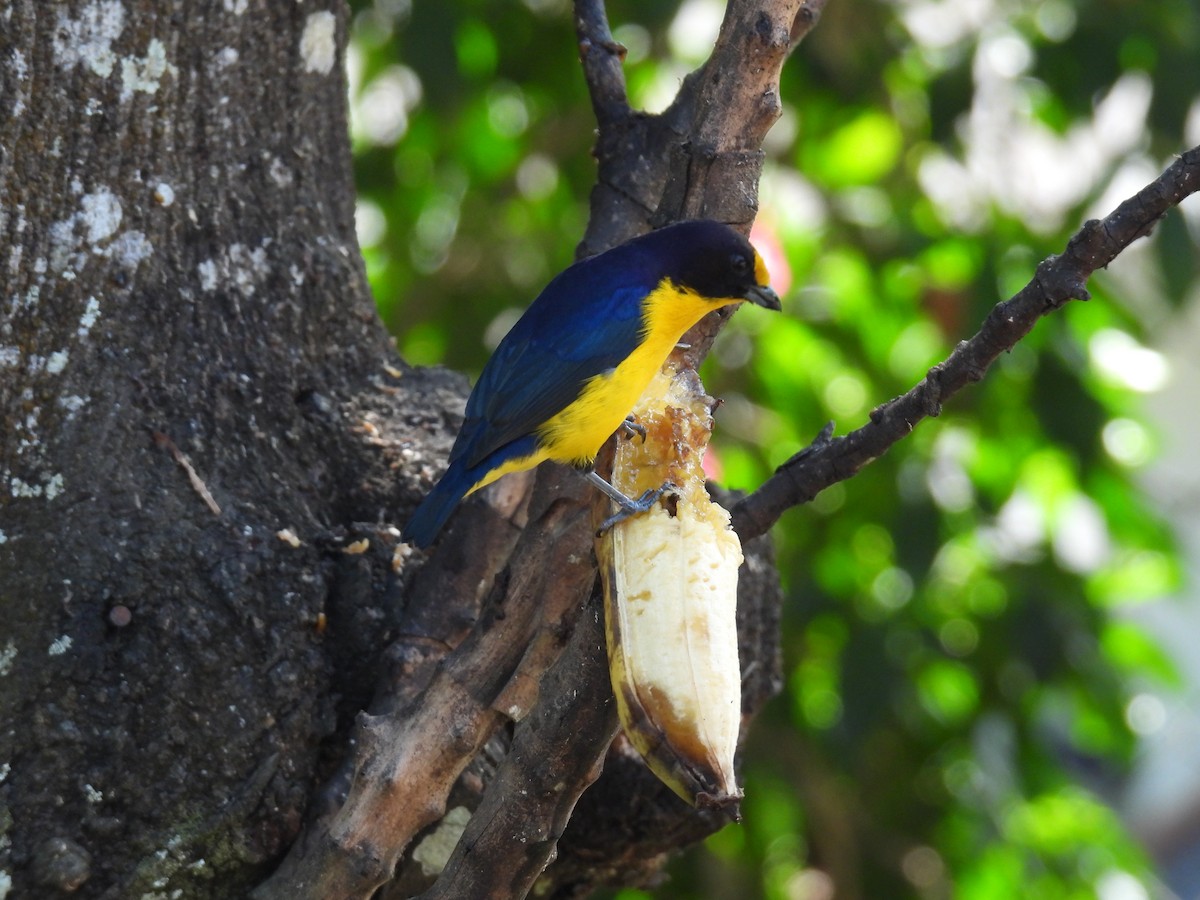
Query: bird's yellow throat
{"type": "Point", "coordinates": [575, 435]}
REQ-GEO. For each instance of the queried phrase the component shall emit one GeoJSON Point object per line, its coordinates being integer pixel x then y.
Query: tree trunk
{"type": "Point", "coordinates": [183, 326]}
{"type": "Point", "coordinates": [206, 440]}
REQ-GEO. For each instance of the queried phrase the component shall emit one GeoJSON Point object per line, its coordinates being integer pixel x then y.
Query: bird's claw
{"type": "Point", "coordinates": [631, 426]}
{"type": "Point", "coordinates": [631, 507]}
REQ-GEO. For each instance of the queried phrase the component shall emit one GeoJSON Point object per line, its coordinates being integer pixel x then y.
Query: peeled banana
{"type": "Point", "coordinates": [670, 589]}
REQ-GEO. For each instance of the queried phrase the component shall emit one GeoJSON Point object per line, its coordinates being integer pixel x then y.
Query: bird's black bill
{"type": "Point", "coordinates": [761, 295]}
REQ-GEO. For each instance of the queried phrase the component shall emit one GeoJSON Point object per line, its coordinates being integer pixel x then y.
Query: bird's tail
{"type": "Point", "coordinates": [435, 509]}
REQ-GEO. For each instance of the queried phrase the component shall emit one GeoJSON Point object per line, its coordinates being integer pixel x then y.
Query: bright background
{"type": "Point", "coordinates": [992, 634]}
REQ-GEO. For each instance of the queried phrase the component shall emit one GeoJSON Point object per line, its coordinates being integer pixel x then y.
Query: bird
{"type": "Point", "coordinates": [566, 375]}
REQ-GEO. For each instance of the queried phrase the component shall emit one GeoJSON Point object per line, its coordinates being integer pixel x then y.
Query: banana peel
{"type": "Point", "coordinates": [670, 591]}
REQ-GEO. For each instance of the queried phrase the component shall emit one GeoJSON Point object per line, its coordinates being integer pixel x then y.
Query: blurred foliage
{"type": "Point", "coordinates": [960, 673]}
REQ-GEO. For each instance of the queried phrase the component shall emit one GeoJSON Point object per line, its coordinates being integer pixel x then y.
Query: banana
{"type": "Point", "coordinates": [670, 591]}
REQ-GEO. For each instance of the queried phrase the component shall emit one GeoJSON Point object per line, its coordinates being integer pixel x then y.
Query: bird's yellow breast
{"type": "Point", "coordinates": [576, 434]}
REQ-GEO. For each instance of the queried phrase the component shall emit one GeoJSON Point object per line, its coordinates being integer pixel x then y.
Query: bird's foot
{"type": "Point", "coordinates": [629, 506]}
{"type": "Point", "coordinates": [635, 507]}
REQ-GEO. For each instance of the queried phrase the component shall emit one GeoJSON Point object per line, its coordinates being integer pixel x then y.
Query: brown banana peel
{"type": "Point", "coordinates": [670, 590]}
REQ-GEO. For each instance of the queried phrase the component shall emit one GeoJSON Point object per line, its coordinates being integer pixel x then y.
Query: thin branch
{"type": "Point", "coordinates": [601, 57]}
{"type": "Point", "coordinates": [807, 17]}
{"type": "Point", "coordinates": [1057, 280]}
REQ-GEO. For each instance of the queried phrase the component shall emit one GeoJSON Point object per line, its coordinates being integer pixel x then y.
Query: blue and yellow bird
{"type": "Point", "coordinates": [573, 366]}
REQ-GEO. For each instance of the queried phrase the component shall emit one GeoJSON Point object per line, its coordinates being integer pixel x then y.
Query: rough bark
{"type": "Point", "coordinates": [187, 348]}
{"type": "Point", "coordinates": [205, 439]}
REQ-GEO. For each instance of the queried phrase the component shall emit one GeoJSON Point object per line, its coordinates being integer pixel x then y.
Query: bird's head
{"type": "Point", "coordinates": [716, 262]}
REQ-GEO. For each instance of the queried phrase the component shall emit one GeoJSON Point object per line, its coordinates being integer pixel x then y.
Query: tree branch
{"type": "Point", "coordinates": [636, 153]}
{"type": "Point", "coordinates": [406, 761]}
{"type": "Point", "coordinates": [727, 106]}
{"type": "Point", "coordinates": [1057, 280]}
{"type": "Point", "coordinates": [557, 752]}
{"type": "Point", "coordinates": [408, 755]}
{"type": "Point", "coordinates": [807, 17]}
{"type": "Point", "coordinates": [601, 57]}
{"type": "Point", "coordinates": [700, 158]}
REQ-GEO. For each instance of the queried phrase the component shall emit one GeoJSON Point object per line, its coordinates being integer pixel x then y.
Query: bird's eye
{"type": "Point", "coordinates": [740, 264]}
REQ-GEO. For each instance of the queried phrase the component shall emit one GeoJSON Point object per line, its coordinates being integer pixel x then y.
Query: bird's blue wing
{"type": "Point", "coordinates": [585, 323]}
